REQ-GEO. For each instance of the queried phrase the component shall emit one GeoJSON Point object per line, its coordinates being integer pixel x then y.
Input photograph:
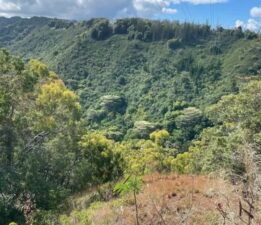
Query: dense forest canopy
{"type": "Point", "coordinates": [133, 70]}
{"type": "Point", "coordinates": [132, 97]}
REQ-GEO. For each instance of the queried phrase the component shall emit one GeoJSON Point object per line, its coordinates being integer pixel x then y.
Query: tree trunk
{"type": "Point", "coordinates": [136, 208]}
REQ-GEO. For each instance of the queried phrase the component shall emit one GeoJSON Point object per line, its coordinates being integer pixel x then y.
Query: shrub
{"type": "Point", "coordinates": [174, 44]}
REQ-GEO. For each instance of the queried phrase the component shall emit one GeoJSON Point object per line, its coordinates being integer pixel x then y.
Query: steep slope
{"type": "Point", "coordinates": [152, 76]}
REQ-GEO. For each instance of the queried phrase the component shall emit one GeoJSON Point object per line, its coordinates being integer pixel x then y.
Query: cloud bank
{"type": "Point", "coordinates": [84, 9]}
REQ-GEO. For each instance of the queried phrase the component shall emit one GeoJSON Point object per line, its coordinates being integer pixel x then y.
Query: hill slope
{"type": "Point", "coordinates": [136, 79]}
{"type": "Point", "coordinates": [164, 199]}
{"type": "Point", "coordinates": [147, 70]}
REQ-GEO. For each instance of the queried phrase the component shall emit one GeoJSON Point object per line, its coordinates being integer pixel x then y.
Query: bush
{"type": "Point", "coordinates": [174, 44]}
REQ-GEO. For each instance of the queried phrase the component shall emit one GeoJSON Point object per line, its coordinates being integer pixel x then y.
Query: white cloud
{"type": "Point", "coordinates": [251, 24]}
{"type": "Point", "coordinates": [169, 10]}
{"type": "Point", "coordinates": [8, 6]}
{"type": "Point", "coordinates": [239, 23]}
{"type": "Point", "coordinates": [256, 12]}
{"type": "Point", "coordinates": [83, 9]}
{"type": "Point", "coordinates": [200, 2]}
{"type": "Point", "coordinates": [153, 7]}
{"type": "Point", "coordinates": [71, 9]}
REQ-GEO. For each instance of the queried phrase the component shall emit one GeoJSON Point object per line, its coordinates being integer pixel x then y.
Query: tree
{"type": "Point", "coordinates": [189, 123]}
{"type": "Point", "coordinates": [54, 122]}
{"type": "Point", "coordinates": [101, 29]}
{"type": "Point", "coordinates": [102, 159]}
{"type": "Point", "coordinates": [121, 26]}
{"type": "Point", "coordinates": [144, 156]}
{"type": "Point", "coordinates": [159, 137]}
{"type": "Point", "coordinates": [40, 126]}
{"type": "Point", "coordinates": [130, 184]}
{"type": "Point", "coordinates": [56, 105]}
{"type": "Point", "coordinates": [236, 121]}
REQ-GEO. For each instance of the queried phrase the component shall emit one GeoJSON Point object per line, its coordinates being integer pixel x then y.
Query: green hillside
{"type": "Point", "coordinates": [130, 122]}
{"type": "Point", "coordinates": [137, 70]}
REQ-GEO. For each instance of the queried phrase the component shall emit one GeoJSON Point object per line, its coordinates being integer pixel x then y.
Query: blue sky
{"type": "Point", "coordinates": [227, 13]}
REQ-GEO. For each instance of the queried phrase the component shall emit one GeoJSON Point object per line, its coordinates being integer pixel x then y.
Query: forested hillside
{"type": "Point", "coordinates": [133, 100]}
{"type": "Point", "coordinates": [136, 70]}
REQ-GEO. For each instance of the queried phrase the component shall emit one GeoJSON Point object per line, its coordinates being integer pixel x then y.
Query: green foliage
{"type": "Point", "coordinates": [121, 26]}
{"type": "Point", "coordinates": [55, 97]}
{"type": "Point", "coordinates": [101, 29]}
{"type": "Point", "coordinates": [60, 24]}
{"type": "Point", "coordinates": [185, 125]}
{"type": "Point", "coordinates": [215, 50]}
{"type": "Point", "coordinates": [142, 129]}
{"type": "Point", "coordinates": [159, 137]}
{"type": "Point", "coordinates": [132, 60]}
{"type": "Point", "coordinates": [37, 68]}
{"type": "Point", "coordinates": [147, 30]}
{"type": "Point", "coordinates": [143, 157]}
{"type": "Point", "coordinates": [16, 28]}
{"type": "Point", "coordinates": [174, 44]}
{"type": "Point", "coordinates": [40, 127]}
{"type": "Point", "coordinates": [80, 218]}
{"type": "Point", "coordinates": [130, 184]}
{"type": "Point", "coordinates": [45, 217]}
{"type": "Point", "coordinates": [132, 87]}
{"type": "Point", "coordinates": [102, 159]}
{"type": "Point", "coordinates": [35, 71]}
{"type": "Point", "coordinates": [239, 110]}
{"type": "Point", "coordinates": [250, 35]}
{"type": "Point", "coordinates": [188, 118]}
{"type": "Point", "coordinates": [182, 163]}
{"type": "Point", "coordinates": [113, 104]}
{"type": "Point", "coordinates": [237, 121]}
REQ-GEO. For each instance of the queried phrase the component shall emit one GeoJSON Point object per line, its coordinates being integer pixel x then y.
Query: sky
{"type": "Point", "coordinates": [226, 13]}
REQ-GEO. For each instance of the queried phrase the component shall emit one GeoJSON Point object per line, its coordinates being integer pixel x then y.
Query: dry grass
{"type": "Point", "coordinates": [177, 200]}
{"type": "Point", "coordinates": [186, 200]}
{"type": "Point", "coordinates": [171, 199]}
